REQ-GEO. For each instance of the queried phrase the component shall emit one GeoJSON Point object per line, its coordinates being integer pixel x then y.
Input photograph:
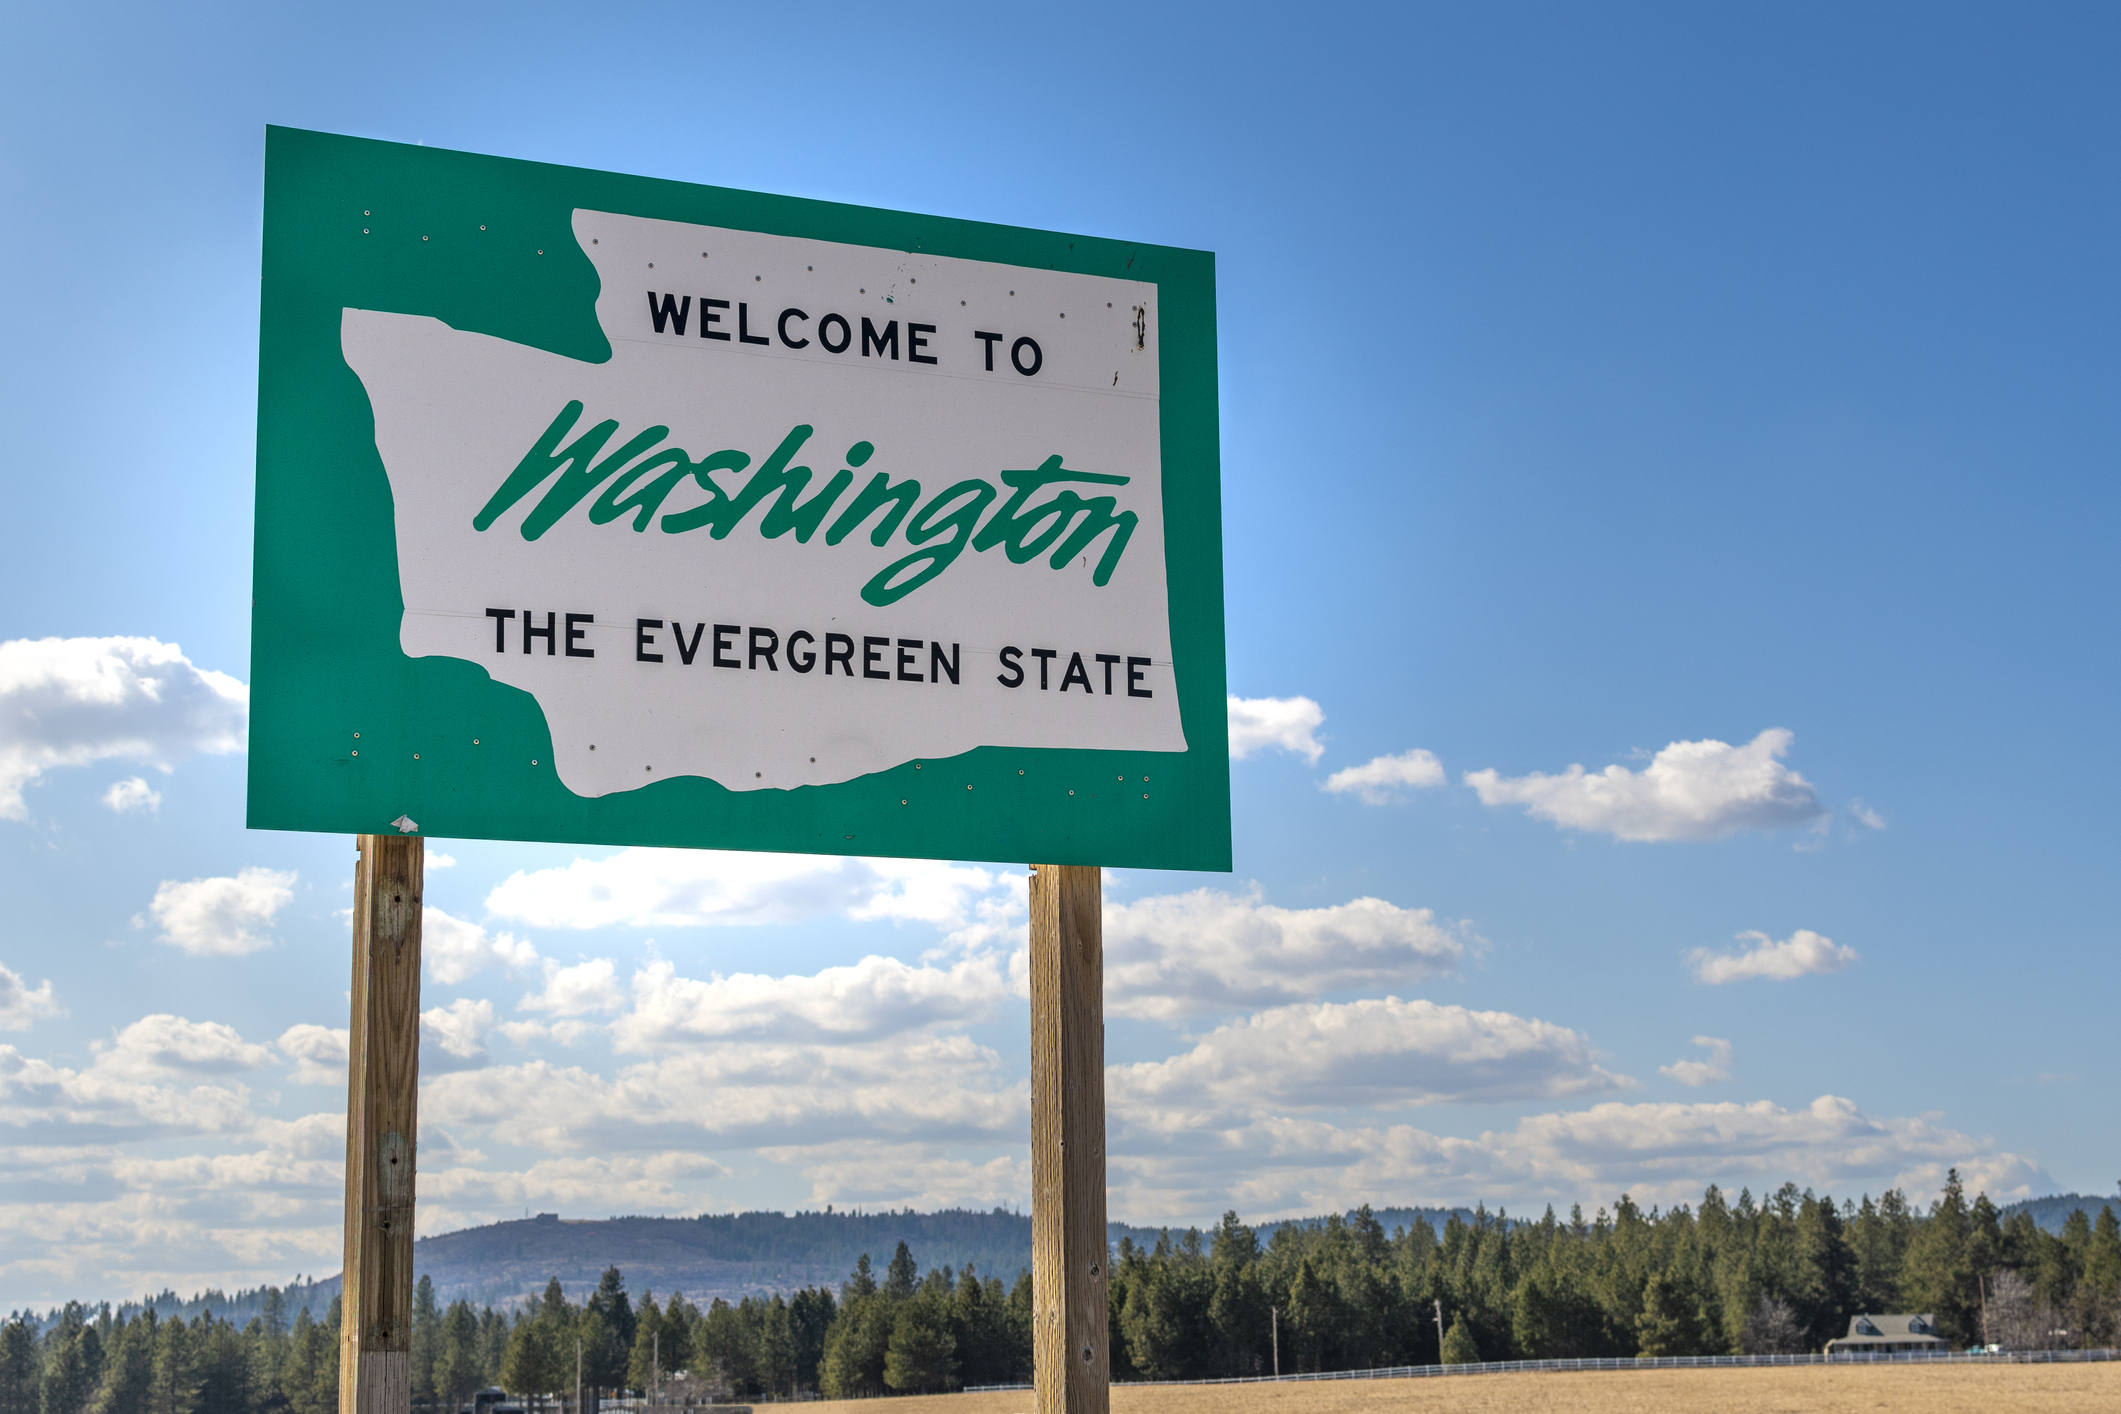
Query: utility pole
{"type": "Point", "coordinates": [577, 1375]}
{"type": "Point", "coordinates": [1274, 1314]}
{"type": "Point", "coordinates": [655, 1367]}
{"type": "Point", "coordinates": [1439, 1329]}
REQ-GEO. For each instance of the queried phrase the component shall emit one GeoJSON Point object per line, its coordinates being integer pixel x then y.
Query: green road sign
{"type": "Point", "coordinates": [611, 510]}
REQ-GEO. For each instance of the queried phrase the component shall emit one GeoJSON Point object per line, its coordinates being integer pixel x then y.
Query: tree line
{"type": "Point", "coordinates": [1780, 1275]}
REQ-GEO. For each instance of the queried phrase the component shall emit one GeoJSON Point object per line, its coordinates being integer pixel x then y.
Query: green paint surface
{"type": "Point", "coordinates": [486, 244]}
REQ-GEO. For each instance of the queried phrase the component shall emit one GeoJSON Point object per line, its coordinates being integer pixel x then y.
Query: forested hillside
{"type": "Point", "coordinates": [1779, 1275]}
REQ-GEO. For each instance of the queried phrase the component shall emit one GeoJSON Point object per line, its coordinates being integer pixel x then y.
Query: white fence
{"type": "Point", "coordinates": [1659, 1362]}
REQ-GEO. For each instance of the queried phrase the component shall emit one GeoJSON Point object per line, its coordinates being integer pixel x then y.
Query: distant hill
{"type": "Point", "coordinates": [737, 1254]}
{"type": "Point", "coordinates": [2052, 1212]}
{"type": "Point", "coordinates": [730, 1255]}
{"type": "Point", "coordinates": [733, 1255]}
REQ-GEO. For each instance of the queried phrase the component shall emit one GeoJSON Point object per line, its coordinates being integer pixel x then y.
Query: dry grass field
{"type": "Point", "coordinates": [1816, 1389]}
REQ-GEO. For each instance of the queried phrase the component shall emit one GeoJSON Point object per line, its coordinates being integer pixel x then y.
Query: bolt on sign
{"type": "Point", "coordinates": [604, 509]}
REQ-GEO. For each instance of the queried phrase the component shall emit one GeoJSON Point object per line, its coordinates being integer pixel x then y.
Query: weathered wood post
{"type": "Point", "coordinates": [1070, 1362]}
{"type": "Point", "coordinates": [382, 1112]}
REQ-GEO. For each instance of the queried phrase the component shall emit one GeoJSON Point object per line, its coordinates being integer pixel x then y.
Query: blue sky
{"type": "Point", "coordinates": [1593, 380]}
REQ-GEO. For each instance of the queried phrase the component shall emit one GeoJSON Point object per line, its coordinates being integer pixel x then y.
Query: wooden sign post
{"type": "Point", "coordinates": [1070, 1360]}
{"type": "Point", "coordinates": [382, 1113]}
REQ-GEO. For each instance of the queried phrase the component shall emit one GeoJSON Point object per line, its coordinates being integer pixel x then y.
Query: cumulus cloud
{"type": "Point", "coordinates": [437, 860]}
{"type": "Point", "coordinates": [1380, 780]}
{"type": "Point", "coordinates": [1691, 790]}
{"type": "Point", "coordinates": [920, 1087]}
{"type": "Point", "coordinates": [72, 701]}
{"type": "Point", "coordinates": [163, 1044]}
{"type": "Point", "coordinates": [1284, 723]}
{"type": "Point", "coordinates": [132, 794]}
{"type": "Point", "coordinates": [319, 1053]}
{"type": "Point", "coordinates": [161, 1076]}
{"type": "Point", "coordinates": [876, 1174]}
{"type": "Point", "coordinates": [1182, 954]}
{"type": "Point", "coordinates": [455, 1035]}
{"type": "Point", "coordinates": [1383, 1053]}
{"type": "Point", "coordinates": [878, 996]}
{"type": "Point", "coordinates": [1281, 1166]}
{"type": "Point", "coordinates": [1801, 954]}
{"type": "Point", "coordinates": [460, 1195]}
{"type": "Point", "coordinates": [22, 1005]}
{"type": "Point", "coordinates": [1715, 1070]}
{"type": "Point", "coordinates": [578, 990]}
{"type": "Point", "coordinates": [222, 917]}
{"type": "Point", "coordinates": [679, 888]}
{"type": "Point", "coordinates": [1865, 816]}
{"type": "Point", "coordinates": [457, 949]}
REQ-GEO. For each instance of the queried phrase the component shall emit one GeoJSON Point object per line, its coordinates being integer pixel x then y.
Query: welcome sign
{"type": "Point", "coordinates": [602, 509]}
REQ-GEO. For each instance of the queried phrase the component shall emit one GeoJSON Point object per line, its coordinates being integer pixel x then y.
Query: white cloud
{"type": "Point", "coordinates": [21, 1005]}
{"type": "Point", "coordinates": [319, 1053]}
{"type": "Point", "coordinates": [162, 1076]}
{"type": "Point", "coordinates": [1691, 790]}
{"type": "Point", "coordinates": [1802, 953]}
{"type": "Point", "coordinates": [1865, 816]}
{"type": "Point", "coordinates": [162, 1044]}
{"type": "Point", "coordinates": [132, 794]}
{"type": "Point", "coordinates": [1257, 723]}
{"type": "Point", "coordinates": [460, 1195]}
{"type": "Point", "coordinates": [1379, 781]}
{"type": "Point", "coordinates": [438, 860]}
{"type": "Point", "coordinates": [457, 950]}
{"type": "Point", "coordinates": [119, 1095]}
{"type": "Point", "coordinates": [920, 1087]}
{"type": "Point", "coordinates": [222, 917]}
{"type": "Point", "coordinates": [874, 1174]}
{"type": "Point", "coordinates": [1713, 1071]}
{"type": "Point", "coordinates": [72, 701]}
{"type": "Point", "coordinates": [678, 888]}
{"type": "Point", "coordinates": [1181, 954]}
{"type": "Point", "coordinates": [578, 990]}
{"type": "Point", "coordinates": [1383, 1053]}
{"type": "Point", "coordinates": [878, 996]}
{"type": "Point", "coordinates": [458, 1031]}
{"type": "Point", "coordinates": [1279, 1166]}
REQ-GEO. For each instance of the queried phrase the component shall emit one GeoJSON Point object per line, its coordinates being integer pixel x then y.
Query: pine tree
{"type": "Point", "coordinates": [1458, 1346]}
{"type": "Point", "coordinates": [921, 1357]}
{"type": "Point", "coordinates": [680, 1323]}
{"type": "Point", "coordinates": [810, 1315]}
{"type": "Point", "coordinates": [643, 1361]}
{"type": "Point", "coordinates": [2099, 1290]}
{"type": "Point", "coordinates": [1669, 1323]}
{"type": "Point", "coordinates": [855, 1350]}
{"type": "Point", "coordinates": [531, 1366]}
{"type": "Point", "coordinates": [128, 1367]}
{"type": "Point", "coordinates": [227, 1365]}
{"type": "Point", "coordinates": [72, 1363]}
{"type": "Point", "coordinates": [298, 1371]}
{"type": "Point", "coordinates": [426, 1331]}
{"type": "Point", "coordinates": [18, 1368]}
{"type": "Point", "coordinates": [1938, 1275]}
{"type": "Point", "coordinates": [459, 1368]}
{"type": "Point", "coordinates": [901, 1275]}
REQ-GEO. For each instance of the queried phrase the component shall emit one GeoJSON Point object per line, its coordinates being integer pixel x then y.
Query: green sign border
{"type": "Point", "coordinates": [487, 244]}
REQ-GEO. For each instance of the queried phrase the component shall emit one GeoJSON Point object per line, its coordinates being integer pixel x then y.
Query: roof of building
{"type": "Point", "coordinates": [1899, 1329]}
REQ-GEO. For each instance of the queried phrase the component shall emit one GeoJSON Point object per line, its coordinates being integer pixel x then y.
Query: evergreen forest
{"type": "Point", "coordinates": [1781, 1275]}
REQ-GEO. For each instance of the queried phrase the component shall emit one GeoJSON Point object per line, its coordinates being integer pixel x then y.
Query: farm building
{"type": "Point", "coordinates": [1886, 1335]}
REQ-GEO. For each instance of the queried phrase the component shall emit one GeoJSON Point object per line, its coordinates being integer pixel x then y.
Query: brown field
{"type": "Point", "coordinates": [1813, 1389]}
